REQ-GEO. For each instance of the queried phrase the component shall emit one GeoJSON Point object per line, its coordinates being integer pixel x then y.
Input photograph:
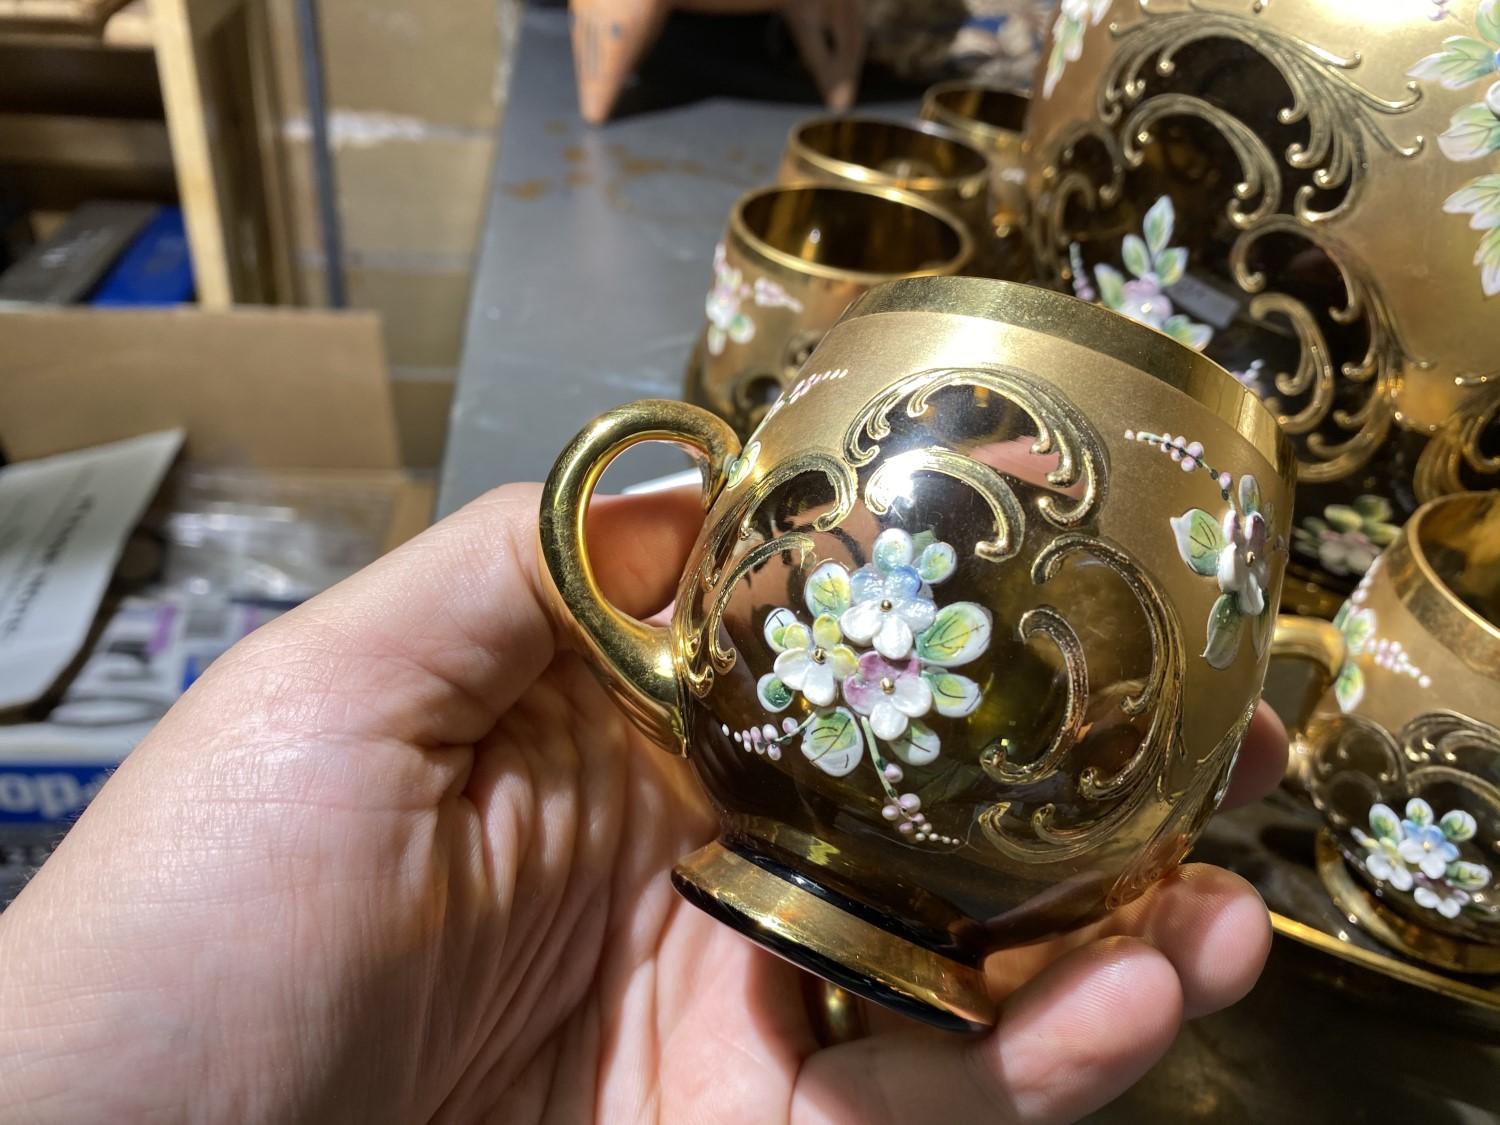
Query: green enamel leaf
{"type": "Point", "coordinates": [1372, 507]}
{"type": "Point", "coordinates": [778, 621]}
{"type": "Point", "coordinates": [1200, 540]}
{"type": "Point", "coordinates": [937, 562]}
{"type": "Point", "coordinates": [1419, 812]}
{"type": "Point", "coordinates": [1158, 225]}
{"type": "Point", "coordinates": [1342, 615]}
{"type": "Point", "coordinates": [827, 590]}
{"type": "Point", "coordinates": [832, 742]}
{"type": "Point", "coordinates": [1488, 19]}
{"type": "Point", "coordinates": [1343, 517]}
{"type": "Point", "coordinates": [1225, 623]}
{"type": "Point", "coordinates": [1487, 258]}
{"type": "Point", "coordinates": [1262, 625]}
{"type": "Point", "coordinates": [1249, 494]}
{"type": "Point", "coordinates": [774, 695]}
{"type": "Point", "coordinates": [1111, 286]}
{"type": "Point", "coordinates": [1480, 198]}
{"type": "Point", "coordinates": [1458, 826]}
{"type": "Point", "coordinates": [1462, 60]}
{"type": "Point", "coordinates": [922, 540]}
{"type": "Point", "coordinates": [1137, 257]}
{"type": "Point", "coordinates": [740, 467]}
{"type": "Point", "coordinates": [1385, 823]}
{"type": "Point", "coordinates": [1472, 133]}
{"type": "Point", "coordinates": [1171, 265]}
{"type": "Point", "coordinates": [1357, 629]}
{"type": "Point", "coordinates": [958, 634]}
{"type": "Point", "coordinates": [893, 548]}
{"type": "Point", "coordinates": [952, 695]}
{"type": "Point", "coordinates": [1468, 876]}
{"type": "Point", "coordinates": [1349, 688]}
{"type": "Point", "coordinates": [919, 746]}
{"type": "Point", "coordinates": [1188, 332]}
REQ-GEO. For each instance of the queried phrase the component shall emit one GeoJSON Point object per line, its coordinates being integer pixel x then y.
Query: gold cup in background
{"type": "Point", "coordinates": [1402, 755]}
{"type": "Point", "coordinates": [993, 121]}
{"type": "Point", "coordinates": [792, 259]}
{"type": "Point", "coordinates": [918, 157]}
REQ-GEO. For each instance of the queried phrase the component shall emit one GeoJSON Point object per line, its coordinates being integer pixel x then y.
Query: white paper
{"type": "Point", "coordinates": [63, 523]}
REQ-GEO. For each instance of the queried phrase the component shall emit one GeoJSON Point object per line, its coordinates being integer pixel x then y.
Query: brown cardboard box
{"type": "Point", "coordinates": [301, 395]}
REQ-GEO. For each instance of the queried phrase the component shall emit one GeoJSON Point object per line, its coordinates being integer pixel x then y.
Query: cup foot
{"type": "Point", "coordinates": [814, 934]}
{"type": "Point", "coordinates": [1391, 929]}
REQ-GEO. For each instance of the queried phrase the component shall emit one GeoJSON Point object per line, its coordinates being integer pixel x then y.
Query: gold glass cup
{"type": "Point", "coordinates": [967, 648]}
{"type": "Point", "coordinates": [792, 259]}
{"type": "Point", "coordinates": [1403, 753]}
{"type": "Point", "coordinates": [994, 121]}
{"type": "Point", "coordinates": [918, 157]}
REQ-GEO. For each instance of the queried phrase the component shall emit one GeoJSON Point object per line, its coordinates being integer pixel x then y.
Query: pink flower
{"type": "Point", "coordinates": [1144, 301]}
{"type": "Point", "coordinates": [891, 692]}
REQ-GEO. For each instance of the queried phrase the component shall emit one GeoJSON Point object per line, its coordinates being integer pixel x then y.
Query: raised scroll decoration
{"type": "Point", "coordinates": [1338, 410]}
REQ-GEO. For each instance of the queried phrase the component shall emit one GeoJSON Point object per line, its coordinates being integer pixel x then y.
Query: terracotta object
{"type": "Point", "coordinates": [611, 36]}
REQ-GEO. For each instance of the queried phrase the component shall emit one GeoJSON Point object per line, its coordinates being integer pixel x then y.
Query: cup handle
{"type": "Point", "coordinates": [636, 661]}
{"type": "Point", "coordinates": [1306, 656]}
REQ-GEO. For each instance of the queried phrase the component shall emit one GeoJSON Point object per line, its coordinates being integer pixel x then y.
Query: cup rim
{"type": "Point", "coordinates": [1452, 604]}
{"type": "Point", "coordinates": [741, 231]}
{"type": "Point", "coordinates": [1153, 353]}
{"type": "Point", "coordinates": [934, 110]}
{"type": "Point", "coordinates": [798, 147]}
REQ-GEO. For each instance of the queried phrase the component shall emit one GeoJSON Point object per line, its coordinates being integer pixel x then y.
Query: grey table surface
{"type": "Point", "coordinates": [596, 256]}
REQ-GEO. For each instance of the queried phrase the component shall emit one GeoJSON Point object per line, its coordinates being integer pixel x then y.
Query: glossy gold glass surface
{"type": "Point", "coordinates": [1307, 190]}
{"type": "Point", "coordinates": [1403, 757]}
{"type": "Point", "coordinates": [970, 640]}
{"type": "Point", "coordinates": [792, 259]}
{"type": "Point", "coordinates": [993, 120]}
{"type": "Point", "coordinates": [918, 157]}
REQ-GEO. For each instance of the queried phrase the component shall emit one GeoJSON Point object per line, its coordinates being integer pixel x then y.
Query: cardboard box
{"type": "Point", "coordinates": [289, 402]}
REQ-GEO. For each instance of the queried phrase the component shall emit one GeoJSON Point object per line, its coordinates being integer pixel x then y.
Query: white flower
{"type": "Point", "coordinates": [814, 661]}
{"type": "Point", "coordinates": [889, 610]}
{"type": "Point", "coordinates": [1384, 861]}
{"type": "Point", "coordinates": [892, 693]}
{"type": "Point", "coordinates": [1439, 896]}
{"type": "Point", "coordinates": [1244, 564]}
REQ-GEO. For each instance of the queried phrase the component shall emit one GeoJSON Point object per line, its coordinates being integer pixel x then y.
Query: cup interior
{"type": "Point", "coordinates": [1459, 539]}
{"type": "Point", "coordinates": [905, 153]}
{"type": "Point", "coordinates": [999, 109]}
{"type": "Point", "coordinates": [844, 229]}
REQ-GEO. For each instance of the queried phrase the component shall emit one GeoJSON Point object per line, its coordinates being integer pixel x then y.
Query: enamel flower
{"type": "Point", "coordinates": [1419, 854]}
{"type": "Point", "coordinates": [1473, 132]}
{"type": "Point", "coordinates": [1245, 563]}
{"type": "Point", "coordinates": [1156, 267]}
{"type": "Point", "coordinates": [1347, 538]}
{"type": "Point", "coordinates": [811, 661]}
{"type": "Point", "coordinates": [889, 606]}
{"type": "Point", "coordinates": [860, 703]}
{"type": "Point", "coordinates": [724, 306]}
{"type": "Point", "coordinates": [1358, 628]}
{"type": "Point", "coordinates": [891, 693]}
{"type": "Point", "coordinates": [1384, 861]}
{"type": "Point", "coordinates": [1073, 19]}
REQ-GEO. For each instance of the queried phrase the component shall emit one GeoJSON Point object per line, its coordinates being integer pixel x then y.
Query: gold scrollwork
{"type": "Point", "coordinates": [1343, 119]}
{"type": "Point", "coordinates": [1127, 786]}
{"type": "Point", "coordinates": [1368, 425]}
{"type": "Point", "coordinates": [1458, 447]}
{"type": "Point", "coordinates": [1342, 116]}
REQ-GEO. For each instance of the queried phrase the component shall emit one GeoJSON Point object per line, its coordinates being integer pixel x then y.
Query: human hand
{"type": "Point", "coordinates": [397, 857]}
